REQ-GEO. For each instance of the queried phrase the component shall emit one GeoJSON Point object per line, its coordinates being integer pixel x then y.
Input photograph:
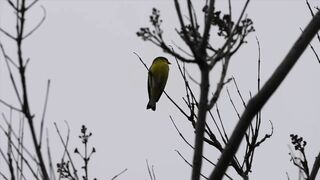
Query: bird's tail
{"type": "Point", "coordinates": [151, 105]}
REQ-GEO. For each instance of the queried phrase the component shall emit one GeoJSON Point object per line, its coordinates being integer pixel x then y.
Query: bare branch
{"type": "Point", "coordinates": [7, 34]}
{"type": "Point", "coordinates": [207, 26]}
{"type": "Point", "coordinates": [122, 172]}
{"type": "Point", "coordinates": [149, 171]}
{"type": "Point", "coordinates": [257, 102]}
{"type": "Point", "coordinates": [225, 138]}
{"type": "Point", "coordinates": [218, 128]}
{"type": "Point", "coordinates": [266, 136]}
{"type": "Point", "coordinates": [259, 62]}
{"type": "Point", "coordinates": [44, 112]}
{"type": "Point", "coordinates": [17, 138]}
{"type": "Point", "coordinates": [192, 20]}
{"type": "Point", "coordinates": [9, 151]}
{"type": "Point", "coordinates": [185, 160]}
{"type": "Point", "coordinates": [52, 171]}
{"type": "Point", "coordinates": [183, 28]}
{"type": "Point", "coordinates": [65, 145]}
{"type": "Point", "coordinates": [10, 106]}
{"type": "Point", "coordinates": [39, 24]}
{"type": "Point", "coordinates": [312, 14]}
{"type": "Point", "coordinates": [3, 176]}
{"type": "Point", "coordinates": [315, 168]}
{"type": "Point", "coordinates": [312, 48]}
{"type": "Point", "coordinates": [239, 93]}
{"type": "Point", "coordinates": [221, 82]}
{"type": "Point", "coordinates": [314, 52]}
{"type": "Point", "coordinates": [20, 153]}
{"type": "Point", "coordinates": [184, 51]}
{"type": "Point", "coordinates": [185, 140]}
{"type": "Point", "coordinates": [231, 101]}
{"type": "Point", "coordinates": [12, 5]}
{"type": "Point", "coordinates": [31, 4]}
{"type": "Point", "coordinates": [166, 48]}
{"type": "Point", "coordinates": [7, 60]}
{"type": "Point", "coordinates": [7, 57]}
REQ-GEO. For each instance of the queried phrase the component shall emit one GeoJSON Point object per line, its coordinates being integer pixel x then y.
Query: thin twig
{"type": "Point", "coordinates": [221, 124]}
{"type": "Point", "coordinates": [20, 147]}
{"type": "Point", "coordinates": [153, 173]}
{"type": "Point", "coordinates": [182, 50]}
{"type": "Point", "coordinates": [44, 112]}
{"type": "Point", "coordinates": [218, 128]}
{"type": "Point", "coordinates": [66, 150]}
{"type": "Point", "coordinates": [7, 34]}
{"type": "Point", "coordinates": [312, 14]}
{"type": "Point", "coordinates": [7, 60]}
{"type": "Point", "coordinates": [39, 24]}
{"type": "Point", "coordinates": [313, 50]}
{"type": "Point", "coordinates": [234, 107]}
{"type": "Point", "coordinates": [8, 57]}
{"type": "Point", "coordinates": [239, 93]}
{"type": "Point", "coordinates": [185, 140]}
{"type": "Point", "coordinates": [122, 172]}
{"type": "Point", "coordinates": [183, 28]}
{"type": "Point", "coordinates": [3, 176]}
{"type": "Point", "coordinates": [221, 83]}
{"type": "Point", "coordinates": [10, 106]}
{"type": "Point", "coordinates": [17, 138]}
{"type": "Point", "coordinates": [185, 160]}
{"type": "Point", "coordinates": [192, 20]}
{"type": "Point", "coordinates": [9, 151]}
{"type": "Point", "coordinates": [149, 171]}
{"type": "Point", "coordinates": [207, 26]}
{"type": "Point", "coordinates": [12, 5]}
{"type": "Point", "coordinates": [31, 4]}
{"type": "Point", "coordinates": [52, 171]}
{"type": "Point", "coordinates": [19, 153]}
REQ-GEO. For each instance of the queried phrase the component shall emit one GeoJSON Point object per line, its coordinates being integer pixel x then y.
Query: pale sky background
{"type": "Point", "coordinates": [86, 48]}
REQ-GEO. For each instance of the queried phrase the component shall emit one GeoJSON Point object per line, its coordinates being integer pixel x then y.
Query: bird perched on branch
{"type": "Point", "coordinates": [157, 79]}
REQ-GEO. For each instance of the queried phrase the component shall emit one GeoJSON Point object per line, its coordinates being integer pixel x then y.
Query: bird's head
{"type": "Point", "coordinates": [161, 59]}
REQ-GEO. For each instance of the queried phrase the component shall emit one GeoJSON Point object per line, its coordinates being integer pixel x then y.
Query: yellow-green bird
{"type": "Point", "coordinates": [157, 79]}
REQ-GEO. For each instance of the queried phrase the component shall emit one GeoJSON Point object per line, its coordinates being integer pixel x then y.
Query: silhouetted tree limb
{"type": "Point", "coordinates": [315, 168]}
{"type": "Point", "coordinates": [122, 172]}
{"type": "Point", "coordinates": [258, 101]}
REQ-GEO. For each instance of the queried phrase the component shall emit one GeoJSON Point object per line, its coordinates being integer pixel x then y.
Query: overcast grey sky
{"type": "Point", "coordinates": [86, 49]}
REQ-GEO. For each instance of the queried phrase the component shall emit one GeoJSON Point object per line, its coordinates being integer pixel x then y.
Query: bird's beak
{"type": "Point", "coordinates": [169, 62]}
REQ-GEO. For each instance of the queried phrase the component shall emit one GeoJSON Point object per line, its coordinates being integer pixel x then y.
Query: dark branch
{"type": "Point", "coordinates": [39, 24]}
{"type": "Point", "coordinates": [257, 102]}
{"type": "Point", "coordinates": [315, 168]}
{"type": "Point", "coordinates": [44, 112]}
{"type": "Point", "coordinates": [122, 172]}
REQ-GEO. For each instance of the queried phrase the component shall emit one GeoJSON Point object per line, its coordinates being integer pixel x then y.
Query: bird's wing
{"type": "Point", "coordinates": [149, 84]}
{"type": "Point", "coordinates": [162, 80]}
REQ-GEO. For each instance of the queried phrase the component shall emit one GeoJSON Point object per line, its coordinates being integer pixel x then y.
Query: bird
{"type": "Point", "coordinates": [157, 79]}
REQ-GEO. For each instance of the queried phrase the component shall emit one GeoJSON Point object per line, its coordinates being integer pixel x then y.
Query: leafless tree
{"type": "Point", "coordinates": [21, 8]}
{"type": "Point", "coordinates": [23, 161]}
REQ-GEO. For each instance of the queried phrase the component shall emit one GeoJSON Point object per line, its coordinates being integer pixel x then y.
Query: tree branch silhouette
{"type": "Point", "coordinates": [258, 101]}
